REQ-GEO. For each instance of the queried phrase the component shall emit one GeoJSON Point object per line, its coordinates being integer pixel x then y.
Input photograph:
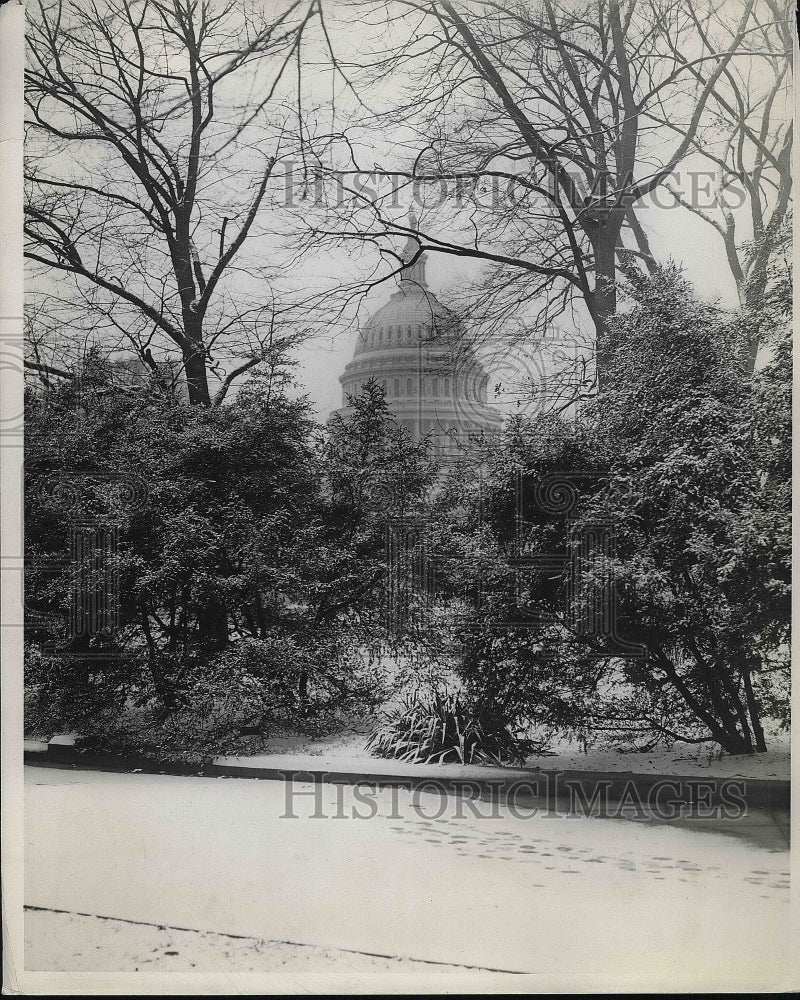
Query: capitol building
{"type": "Point", "coordinates": [416, 349]}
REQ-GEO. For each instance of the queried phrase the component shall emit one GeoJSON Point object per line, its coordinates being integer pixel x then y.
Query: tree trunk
{"type": "Point", "coordinates": [193, 347]}
{"type": "Point", "coordinates": [722, 730]}
{"type": "Point", "coordinates": [754, 710]}
{"type": "Point", "coordinates": [194, 365]}
{"type": "Point", "coordinates": [734, 696]}
{"type": "Point", "coordinates": [737, 746]}
{"type": "Point", "coordinates": [212, 624]}
{"type": "Point", "coordinates": [603, 305]}
{"type": "Point", "coordinates": [754, 292]}
{"type": "Point", "coordinates": [302, 692]}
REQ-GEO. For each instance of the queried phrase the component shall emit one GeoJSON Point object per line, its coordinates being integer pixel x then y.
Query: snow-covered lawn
{"type": "Point", "coordinates": [683, 760]}
{"type": "Point", "coordinates": [679, 759]}
{"type": "Point", "coordinates": [423, 878]}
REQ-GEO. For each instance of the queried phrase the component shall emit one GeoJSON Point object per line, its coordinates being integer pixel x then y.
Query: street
{"type": "Point", "coordinates": [506, 892]}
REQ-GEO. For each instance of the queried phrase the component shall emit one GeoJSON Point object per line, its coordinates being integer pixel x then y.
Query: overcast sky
{"type": "Point", "coordinates": [674, 232]}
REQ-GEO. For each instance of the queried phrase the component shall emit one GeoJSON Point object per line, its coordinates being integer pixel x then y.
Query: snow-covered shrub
{"type": "Point", "coordinates": [438, 728]}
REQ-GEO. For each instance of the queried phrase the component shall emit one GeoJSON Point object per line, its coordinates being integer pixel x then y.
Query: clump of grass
{"type": "Point", "coordinates": [438, 728]}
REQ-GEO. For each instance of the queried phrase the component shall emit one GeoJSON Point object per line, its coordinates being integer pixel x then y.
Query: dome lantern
{"type": "Point", "coordinates": [417, 350]}
{"type": "Point", "coordinates": [412, 273]}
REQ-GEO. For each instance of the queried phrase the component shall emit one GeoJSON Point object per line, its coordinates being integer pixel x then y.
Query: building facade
{"type": "Point", "coordinates": [415, 348]}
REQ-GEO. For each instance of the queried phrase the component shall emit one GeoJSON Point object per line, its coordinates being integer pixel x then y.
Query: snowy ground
{"type": "Point", "coordinates": [776, 763]}
{"type": "Point", "coordinates": [78, 943]}
{"type": "Point", "coordinates": [423, 879]}
{"type": "Point", "coordinates": [681, 759]}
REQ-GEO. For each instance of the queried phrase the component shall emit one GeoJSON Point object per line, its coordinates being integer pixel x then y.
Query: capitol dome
{"type": "Point", "coordinates": [415, 348]}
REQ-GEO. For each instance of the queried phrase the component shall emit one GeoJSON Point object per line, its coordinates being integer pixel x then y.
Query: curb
{"type": "Point", "coordinates": [528, 784]}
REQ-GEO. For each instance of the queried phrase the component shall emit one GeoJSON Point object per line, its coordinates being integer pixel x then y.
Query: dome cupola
{"type": "Point", "coordinates": [416, 349]}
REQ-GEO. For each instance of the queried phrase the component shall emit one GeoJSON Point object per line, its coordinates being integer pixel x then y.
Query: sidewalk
{"type": "Point", "coordinates": [60, 941]}
{"type": "Point", "coordinates": [542, 784]}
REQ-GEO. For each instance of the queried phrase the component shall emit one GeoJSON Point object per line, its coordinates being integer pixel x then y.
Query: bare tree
{"type": "Point", "coordinates": [154, 127]}
{"type": "Point", "coordinates": [749, 141]}
{"type": "Point", "coordinates": [534, 127]}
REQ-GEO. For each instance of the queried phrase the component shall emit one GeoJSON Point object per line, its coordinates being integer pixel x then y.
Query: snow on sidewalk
{"type": "Point", "coordinates": [73, 942]}
{"type": "Point", "coordinates": [421, 875]}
